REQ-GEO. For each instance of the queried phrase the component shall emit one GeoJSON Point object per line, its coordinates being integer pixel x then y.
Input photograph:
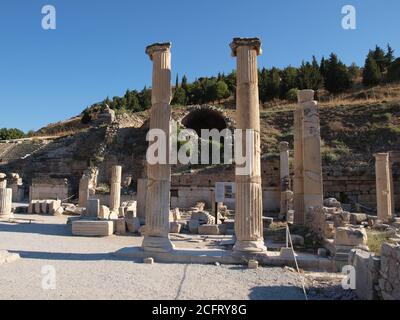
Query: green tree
{"type": "Point", "coordinates": [144, 97]}
{"type": "Point", "coordinates": [288, 80]}
{"type": "Point", "coordinates": [11, 134]}
{"type": "Point", "coordinates": [220, 91]}
{"type": "Point", "coordinates": [179, 98]}
{"type": "Point", "coordinates": [389, 57]}
{"type": "Point", "coordinates": [380, 58]}
{"type": "Point", "coordinates": [273, 84]}
{"type": "Point", "coordinates": [337, 78]}
{"type": "Point", "coordinates": [354, 71]}
{"type": "Point", "coordinates": [394, 70]}
{"type": "Point", "coordinates": [309, 76]}
{"type": "Point", "coordinates": [372, 74]}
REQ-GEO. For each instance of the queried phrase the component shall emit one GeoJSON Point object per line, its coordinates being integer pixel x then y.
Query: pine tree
{"type": "Point", "coordinates": [389, 57]}
{"type": "Point", "coordinates": [394, 70]}
{"type": "Point", "coordinates": [288, 80]}
{"type": "Point", "coordinates": [337, 78]}
{"type": "Point", "coordinates": [379, 56]}
{"type": "Point", "coordinates": [372, 74]}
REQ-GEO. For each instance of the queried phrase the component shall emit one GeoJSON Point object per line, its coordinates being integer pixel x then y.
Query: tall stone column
{"type": "Point", "coordinates": [249, 208]}
{"type": "Point", "coordinates": [83, 191]}
{"type": "Point", "coordinates": [284, 175]}
{"type": "Point", "coordinates": [159, 175]}
{"type": "Point", "coordinates": [312, 161]}
{"type": "Point", "coordinates": [3, 181]}
{"type": "Point", "coordinates": [383, 190]}
{"type": "Point", "coordinates": [391, 182]}
{"type": "Point", "coordinates": [5, 203]}
{"type": "Point", "coordinates": [298, 181]}
{"type": "Point", "coordinates": [115, 194]}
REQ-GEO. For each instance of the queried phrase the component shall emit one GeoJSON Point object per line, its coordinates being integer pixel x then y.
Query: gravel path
{"type": "Point", "coordinates": [85, 269]}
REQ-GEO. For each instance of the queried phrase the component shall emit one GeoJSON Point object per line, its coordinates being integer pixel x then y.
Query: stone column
{"type": "Point", "coordinates": [141, 199]}
{"type": "Point", "coordinates": [5, 203]}
{"type": "Point", "coordinates": [298, 181]}
{"type": "Point", "coordinates": [159, 175]}
{"type": "Point", "coordinates": [83, 191]}
{"type": "Point", "coordinates": [391, 182]}
{"type": "Point", "coordinates": [3, 181]}
{"type": "Point", "coordinates": [383, 192]}
{"type": "Point", "coordinates": [115, 194]}
{"type": "Point", "coordinates": [284, 175]}
{"type": "Point", "coordinates": [249, 208]}
{"type": "Point", "coordinates": [312, 161]}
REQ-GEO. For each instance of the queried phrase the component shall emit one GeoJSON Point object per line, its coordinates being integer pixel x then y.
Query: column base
{"type": "Point", "coordinates": [157, 244]}
{"type": "Point", "coordinates": [6, 216]}
{"type": "Point", "coordinates": [250, 246]}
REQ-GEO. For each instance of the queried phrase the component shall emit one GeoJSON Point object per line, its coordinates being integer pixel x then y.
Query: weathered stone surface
{"type": "Point", "coordinates": [297, 240]}
{"type": "Point", "coordinates": [92, 208]}
{"type": "Point", "coordinates": [383, 186]}
{"type": "Point", "coordinates": [5, 203]}
{"type": "Point", "coordinates": [148, 261]}
{"type": "Point", "coordinates": [346, 236]}
{"type": "Point", "coordinates": [203, 217]}
{"type": "Point", "coordinates": [208, 229]}
{"type": "Point", "coordinates": [358, 218]}
{"type": "Point", "coordinates": [253, 264]}
{"type": "Point", "coordinates": [133, 224]}
{"type": "Point", "coordinates": [92, 228]}
{"type": "Point", "coordinates": [367, 273]}
{"type": "Point", "coordinates": [54, 206]}
{"type": "Point", "coordinates": [120, 226]}
{"type": "Point", "coordinates": [104, 213]}
{"type": "Point", "coordinates": [175, 227]}
{"type": "Point", "coordinates": [332, 203]}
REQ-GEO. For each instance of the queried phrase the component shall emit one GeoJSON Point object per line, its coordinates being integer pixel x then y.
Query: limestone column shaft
{"type": "Point", "coordinates": [159, 175]}
{"type": "Point", "coordinates": [383, 189]}
{"type": "Point", "coordinates": [115, 193]}
{"type": "Point", "coordinates": [248, 208]}
{"type": "Point", "coordinates": [5, 202]}
{"type": "Point", "coordinates": [83, 191]}
{"type": "Point", "coordinates": [298, 181]}
{"type": "Point", "coordinates": [312, 161]}
{"type": "Point", "coordinates": [284, 174]}
{"type": "Point", "coordinates": [3, 181]}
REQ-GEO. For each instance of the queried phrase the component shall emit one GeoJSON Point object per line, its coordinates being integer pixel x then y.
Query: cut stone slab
{"type": "Point", "coordinates": [346, 236]}
{"type": "Point", "coordinates": [104, 213]}
{"type": "Point", "coordinates": [358, 218]}
{"type": "Point", "coordinates": [93, 208]}
{"type": "Point", "coordinates": [148, 261]}
{"type": "Point", "coordinates": [89, 228]}
{"type": "Point", "coordinates": [253, 264]}
{"type": "Point", "coordinates": [120, 226]}
{"type": "Point", "coordinates": [133, 224]}
{"type": "Point", "coordinates": [209, 229]}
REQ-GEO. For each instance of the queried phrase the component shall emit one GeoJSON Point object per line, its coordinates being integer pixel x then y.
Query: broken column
{"type": "Point", "coordinates": [284, 175]}
{"type": "Point", "coordinates": [115, 194]}
{"type": "Point", "coordinates": [249, 209]}
{"type": "Point", "coordinates": [298, 180]}
{"type": "Point", "coordinates": [312, 161]}
{"type": "Point", "coordinates": [3, 181]}
{"type": "Point", "coordinates": [383, 188]}
{"type": "Point", "coordinates": [83, 191]}
{"type": "Point", "coordinates": [159, 175]}
{"type": "Point", "coordinates": [17, 187]}
{"type": "Point", "coordinates": [5, 203]}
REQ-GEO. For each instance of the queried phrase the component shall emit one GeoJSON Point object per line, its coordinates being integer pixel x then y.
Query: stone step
{"type": "Point", "coordinates": [89, 228]}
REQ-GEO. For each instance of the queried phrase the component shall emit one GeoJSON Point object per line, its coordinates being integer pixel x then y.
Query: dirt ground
{"type": "Point", "coordinates": [56, 265]}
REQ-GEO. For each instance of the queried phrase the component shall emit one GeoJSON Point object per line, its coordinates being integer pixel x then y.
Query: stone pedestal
{"type": "Point", "coordinates": [383, 186]}
{"type": "Point", "coordinates": [115, 194]}
{"type": "Point", "coordinates": [83, 191]}
{"type": "Point", "coordinates": [312, 162]}
{"type": "Point", "coordinates": [249, 209]}
{"type": "Point", "coordinates": [308, 186]}
{"type": "Point", "coordinates": [5, 203]}
{"type": "Point", "coordinates": [159, 175]}
{"type": "Point", "coordinates": [284, 176]}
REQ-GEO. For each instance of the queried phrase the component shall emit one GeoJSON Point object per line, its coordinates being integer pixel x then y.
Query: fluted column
{"type": "Point", "coordinates": [83, 191]}
{"type": "Point", "coordinates": [298, 180]}
{"type": "Point", "coordinates": [284, 175]}
{"type": "Point", "coordinates": [5, 203]}
{"type": "Point", "coordinates": [312, 162]}
{"type": "Point", "coordinates": [248, 208]}
{"type": "Point", "coordinates": [115, 193]}
{"type": "Point", "coordinates": [383, 188]}
{"type": "Point", "coordinates": [159, 175]}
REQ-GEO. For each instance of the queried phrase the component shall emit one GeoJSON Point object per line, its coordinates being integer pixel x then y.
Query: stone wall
{"type": "Point", "coordinates": [377, 277]}
{"type": "Point", "coordinates": [49, 189]}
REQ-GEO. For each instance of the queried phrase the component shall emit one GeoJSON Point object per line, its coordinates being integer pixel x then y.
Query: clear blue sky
{"type": "Point", "coordinates": [98, 47]}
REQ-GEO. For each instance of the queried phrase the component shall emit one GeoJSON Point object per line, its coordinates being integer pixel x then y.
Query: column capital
{"type": "Point", "coordinates": [254, 43]}
{"type": "Point", "coordinates": [283, 146]}
{"type": "Point", "coordinates": [381, 156]}
{"type": "Point", "coordinates": [305, 96]}
{"type": "Point", "coordinates": [155, 47]}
